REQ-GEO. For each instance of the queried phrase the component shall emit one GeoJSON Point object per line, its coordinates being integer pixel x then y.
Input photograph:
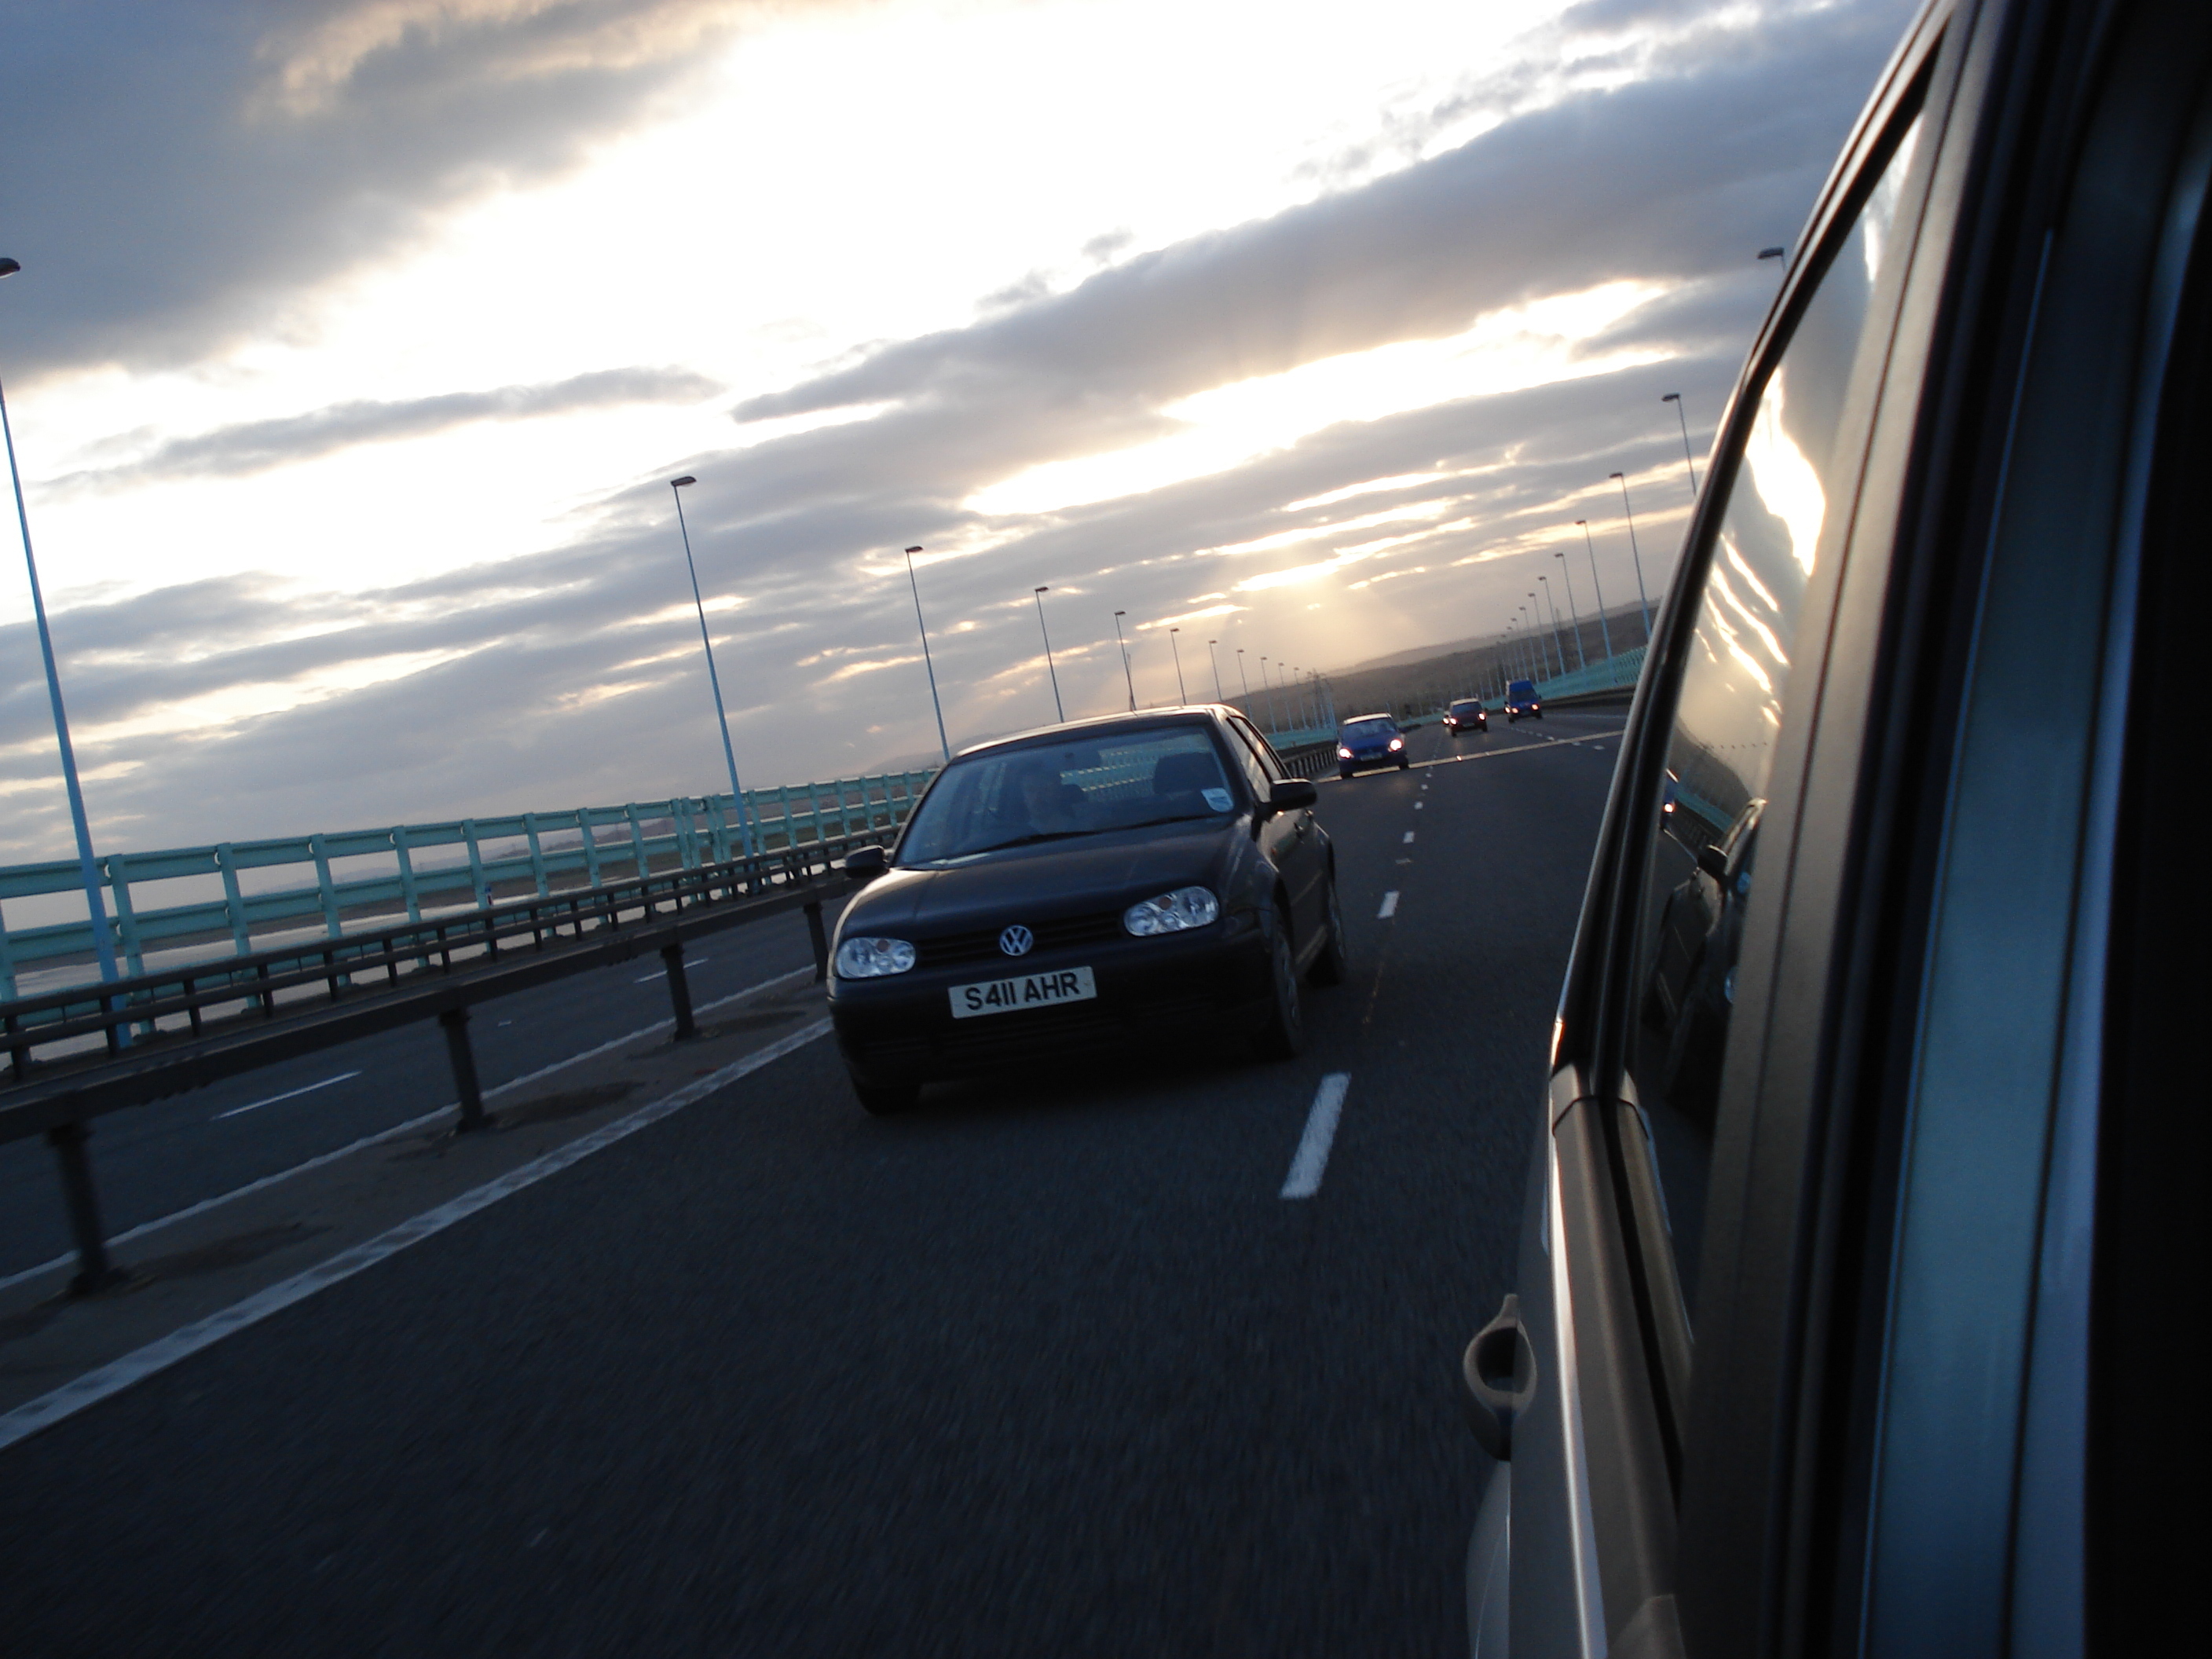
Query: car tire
{"type": "Point", "coordinates": [1328, 968]}
{"type": "Point", "coordinates": [886, 1099]}
{"type": "Point", "coordinates": [1403, 762]}
{"type": "Point", "coordinates": [1513, 719]}
{"type": "Point", "coordinates": [1282, 1034]}
{"type": "Point", "coordinates": [1344, 774]}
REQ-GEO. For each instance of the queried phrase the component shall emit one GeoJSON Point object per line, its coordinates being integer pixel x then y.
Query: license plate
{"type": "Point", "coordinates": [1007, 996]}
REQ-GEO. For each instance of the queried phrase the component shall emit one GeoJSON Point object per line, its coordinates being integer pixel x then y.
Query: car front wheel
{"type": "Point", "coordinates": [1328, 968]}
{"type": "Point", "coordinates": [1283, 1033]}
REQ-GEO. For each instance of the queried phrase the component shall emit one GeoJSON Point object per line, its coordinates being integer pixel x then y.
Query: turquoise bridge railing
{"type": "Point", "coordinates": [189, 902]}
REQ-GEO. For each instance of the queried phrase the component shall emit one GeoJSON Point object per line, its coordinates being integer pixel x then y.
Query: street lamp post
{"type": "Point", "coordinates": [1243, 681]}
{"type": "Point", "coordinates": [103, 942]}
{"type": "Point", "coordinates": [1675, 399]}
{"type": "Point", "coordinates": [1059, 707]}
{"type": "Point", "coordinates": [1604, 628]}
{"type": "Point", "coordinates": [1574, 614]}
{"type": "Point", "coordinates": [676, 488]}
{"type": "Point", "coordinates": [1182, 695]}
{"type": "Point", "coordinates": [1630, 514]}
{"type": "Point", "coordinates": [1211, 657]}
{"type": "Point", "coordinates": [1128, 678]}
{"type": "Point", "coordinates": [1545, 582]}
{"type": "Point", "coordinates": [928, 666]}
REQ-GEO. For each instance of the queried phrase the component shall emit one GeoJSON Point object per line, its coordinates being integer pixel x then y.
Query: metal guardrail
{"type": "Point", "coordinates": [1617, 672]}
{"type": "Point", "coordinates": [204, 1022]}
{"type": "Point", "coordinates": [497, 857]}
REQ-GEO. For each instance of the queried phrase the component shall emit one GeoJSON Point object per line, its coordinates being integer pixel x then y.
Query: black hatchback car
{"type": "Point", "coordinates": [1093, 887]}
{"type": "Point", "coordinates": [1865, 1263]}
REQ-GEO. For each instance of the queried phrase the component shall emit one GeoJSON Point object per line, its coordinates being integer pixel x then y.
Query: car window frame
{"type": "Point", "coordinates": [1609, 1225]}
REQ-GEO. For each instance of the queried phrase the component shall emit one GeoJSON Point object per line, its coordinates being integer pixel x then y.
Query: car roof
{"type": "Point", "coordinates": [1354, 719]}
{"type": "Point", "coordinates": [1099, 724]}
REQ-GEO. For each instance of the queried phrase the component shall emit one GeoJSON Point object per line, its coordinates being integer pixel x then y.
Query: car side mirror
{"type": "Point", "coordinates": [1291, 793]}
{"type": "Point", "coordinates": [1713, 861]}
{"type": "Point", "coordinates": [864, 864]}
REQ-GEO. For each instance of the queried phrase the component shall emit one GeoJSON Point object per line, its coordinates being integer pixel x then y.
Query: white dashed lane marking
{"type": "Point", "coordinates": [1409, 838]}
{"type": "Point", "coordinates": [689, 962]}
{"type": "Point", "coordinates": [1312, 1157]}
{"type": "Point", "coordinates": [1389, 906]}
{"type": "Point", "coordinates": [289, 1094]}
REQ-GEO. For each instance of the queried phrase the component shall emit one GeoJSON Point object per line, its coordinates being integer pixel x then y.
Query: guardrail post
{"type": "Point", "coordinates": [821, 938]}
{"type": "Point", "coordinates": [454, 1022]}
{"type": "Point", "coordinates": [94, 1272]}
{"type": "Point", "coordinates": [679, 990]}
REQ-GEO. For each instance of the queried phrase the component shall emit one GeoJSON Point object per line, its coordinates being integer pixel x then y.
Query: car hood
{"type": "Point", "coordinates": [1054, 878]}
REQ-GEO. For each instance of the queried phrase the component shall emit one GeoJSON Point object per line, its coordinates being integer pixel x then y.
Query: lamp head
{"type": "Point", "coordinates": [1773, 253]}
{"type": "Point", "coordinates": [914, 549]}
{"type": "Point", "coordinates": [1672, 398]}
{"type": "Point", "coordinates": [1044, 590]}
{"type": "Point", "coordinates": [9, 267]}
{"type": "Point", "coordinates": [678, 483]}
{"type": "Point", "coordinates": [1612, 474]}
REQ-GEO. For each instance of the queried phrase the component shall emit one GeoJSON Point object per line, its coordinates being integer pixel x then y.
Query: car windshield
{"type": "Point", "coordinates": [1066, 789]}
{"type": "Point", "coordinates": [1368, 730]}
{"type": "Point", "coordinates": [1521, 689]}
{"type": "Point", "coordinates": [1468, 707]}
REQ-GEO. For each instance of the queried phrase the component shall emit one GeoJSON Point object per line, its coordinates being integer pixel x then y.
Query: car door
{"type": "Point", "coordinates": [1806, 1346]}
{"type": "Point", "coordinates": [1292, 842]}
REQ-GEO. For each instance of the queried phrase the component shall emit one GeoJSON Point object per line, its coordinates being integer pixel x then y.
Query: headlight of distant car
{"type": "Point", "coordinates": [1170, 912]}
{"type": "Point", "coordinates": [873, 958]}
{"type": "Point", "coordinates": [1342, 753]}
{"type": "Point", "coordinates": [1397, 743]}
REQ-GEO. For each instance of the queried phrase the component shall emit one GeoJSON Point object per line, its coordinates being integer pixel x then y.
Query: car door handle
{"type": "Point", "coordinates": [1498, 1374]}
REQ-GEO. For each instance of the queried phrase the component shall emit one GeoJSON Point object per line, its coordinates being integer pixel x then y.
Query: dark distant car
{"type": "Point", "coordinates": [1468, 714]}
{"type": "Point", "coordinates": [1093, 887]}
{"type": "Point", "coordinates": [1864, 1264]}
{"type": "Point", "coordinates": [1522, 703]}
{"type": "Point", "coordinates": [1370, 740]}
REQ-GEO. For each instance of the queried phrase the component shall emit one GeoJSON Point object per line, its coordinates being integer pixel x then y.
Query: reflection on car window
{"type": "Point", "coordinates": [1007, 797]}
{"type": "Point", "coordinates": [1255, 756]}
{"type": "Point", "coordinates": [1730, 704]}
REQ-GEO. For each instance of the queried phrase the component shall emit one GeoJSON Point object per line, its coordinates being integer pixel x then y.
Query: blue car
{"type": "Point", "coordinates": [1370, 740]}
{"type": "Point", "coordinates": [1521, 702]}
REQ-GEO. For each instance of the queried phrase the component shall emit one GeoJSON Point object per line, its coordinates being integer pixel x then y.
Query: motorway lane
{"type": "Point", "coordinates": [1043, 1367]}
{"type": "Point", "coordinates": [153, 1161]}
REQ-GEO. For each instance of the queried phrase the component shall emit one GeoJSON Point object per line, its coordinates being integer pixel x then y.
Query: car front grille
{"type": "Point", "coordinates": [948, 949]}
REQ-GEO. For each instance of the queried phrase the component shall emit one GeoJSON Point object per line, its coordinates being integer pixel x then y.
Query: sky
{"type": "Point", "coordinates": [356, 340]}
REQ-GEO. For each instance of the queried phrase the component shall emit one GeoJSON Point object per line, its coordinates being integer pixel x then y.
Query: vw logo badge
{"type": "Point", "coordinates": [1016, 940]}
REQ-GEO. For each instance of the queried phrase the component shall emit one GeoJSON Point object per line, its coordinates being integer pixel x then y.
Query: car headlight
{"type": "Point", "coordinates": [1397, 743]}
{"type": "Point", "coordinates": [873, 958]}
{"type": "Point", "coordinates": [1342, 753]}
{"type": "Point", "coordinates": [1170, 912]}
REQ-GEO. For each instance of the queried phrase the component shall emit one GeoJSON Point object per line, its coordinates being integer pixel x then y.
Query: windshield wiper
{"type": "Point", "coordinates": [1026, 840]}
{"type": "Point", "coordinates": [1173, 817]}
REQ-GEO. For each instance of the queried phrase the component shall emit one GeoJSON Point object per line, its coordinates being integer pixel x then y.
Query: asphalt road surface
{"type": "Point", "coordinates": [1045, 1366]}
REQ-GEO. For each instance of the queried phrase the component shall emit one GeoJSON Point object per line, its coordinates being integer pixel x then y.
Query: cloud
{"type": "Point", "coordinates": [181, 175]}
{"type": "Point", "coordinates": [256, 445]}
{"type": "Point", "coordinates": [572, 674]}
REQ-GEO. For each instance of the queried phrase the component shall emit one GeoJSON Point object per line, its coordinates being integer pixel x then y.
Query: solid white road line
{"type": "Point", "coordinates": [1409, 838]}
{"type": "Point", "coordinates": [289, 1094]}
{"type": "Point", "coordinates": [394, 1132]}
{"type": "Point", "coordinates": [1418, 805]}
{"type": "Point", "coordinates": [1312, 1157]}
{"type": "Point", "coordinates": [1389, 906]}
{"type": "Point", "coordinates": [94, 1386]}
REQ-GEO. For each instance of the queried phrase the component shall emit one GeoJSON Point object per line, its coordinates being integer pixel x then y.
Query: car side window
{"type": "Point", "coordinates": [1728, 704]}
{"type": "Point", "coordinates": [1260, 760]}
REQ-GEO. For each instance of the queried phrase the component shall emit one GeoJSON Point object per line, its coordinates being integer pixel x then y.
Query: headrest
{"type": "Point", "coordinates": [1174, 774]}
